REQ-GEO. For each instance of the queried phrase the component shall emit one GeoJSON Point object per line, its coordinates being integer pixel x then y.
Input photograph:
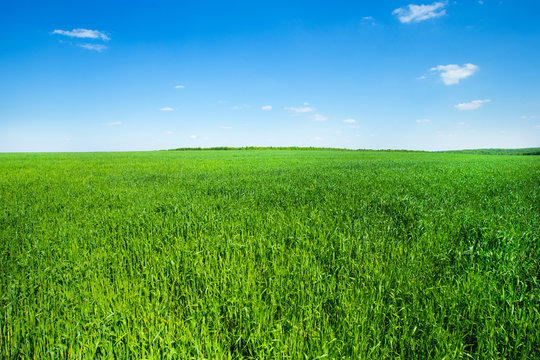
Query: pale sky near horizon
{"type": "Point", "coordinates": [141, 75]}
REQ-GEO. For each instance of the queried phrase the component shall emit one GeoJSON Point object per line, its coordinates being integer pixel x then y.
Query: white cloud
{"type": "Point", "coordinates": [319, 117]}
{"type": "Point", "coordinates": [166, 109]}
{"type": "Point", "coordinates": [460, 123]}
{"type": "Point", "coordinates": [83, 34]}
{"type": "Point", "coordinates": [93, 47]}
{"type": "Point", "coordinates": [179, 87]}
{"type": "Point", "coordinates": [226, 127]}
{"type": "Point", "coordinates": [416, 13]}
{"type": "Point", "coordinates": [193, 136]}
{"type": "Point", "coordinates": [452, 74]}
{"type": "Point", "coordinates": [306, 104]}
{"type": "Point", "coordinates": [354, 126]}
{"type": "Point", "coordinates": [369, 19]}
{"type": "Point", "coordinates": [525, 117]}
{"type": "Point", "coordinates": [349, 121]}
{"type": "Point", "coordinates": [318, 138]}
{"type": "Point", "coordinates": [473, 105]}
{"type": "Point", "coordinates": [266, 107]}
{"type": "Point", "coordinates": [114, 123]}
{"type": "Point", "coordinates": [169, 132]}
{"type": "Point", "coordinates": [300, 110]}
{"type": "Point", "coordinates": [537, 126]}
{"type": "Point", "coordinates": [422, 121]}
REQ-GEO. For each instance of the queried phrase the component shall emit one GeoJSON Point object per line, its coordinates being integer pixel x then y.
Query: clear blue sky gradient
{"type": "Point", "coordinates": [336, 60]}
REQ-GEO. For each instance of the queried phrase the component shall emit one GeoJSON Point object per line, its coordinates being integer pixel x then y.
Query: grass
{"type": "Point", "coordinates": [269, 254]}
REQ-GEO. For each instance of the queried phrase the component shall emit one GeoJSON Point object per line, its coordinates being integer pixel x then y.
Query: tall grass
{"type": "Point", "coordinates": [269, 254]}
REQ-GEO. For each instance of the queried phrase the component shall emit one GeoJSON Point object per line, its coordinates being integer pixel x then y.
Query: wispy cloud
{"type": "Point", "coordinates": [369, 20]}
{"type": "Point", "coordinates": [179, 87]}
{"type": "Point", "coordinates": [452, 74]}
{"type": "Point", "coordinates": [169, 132]}
{"type": "Point", "coordinates": [226, 127]}
{"type": "Point", "coordinates": [473, 105]}
{"type": "Point", "coordinates": [349, 121]}
{"type": "Point", "coordinates": [166, 109]}
{"type": "Point", "coordinates": [193, 136]}
{"type": "Point", "coordinates": [83, 34]}
{"type": "Point", "coordinates": [92, 47]}
{"type": "Point", "coordinates": [317, 138]}
{"type": "Point", "coordinates": [266, 107]}
{"type": "Point", "coordinates": [319, 117]}
{"type": "Point", "coordinates": [300, 110]}
{"type": "Point", "coordinates": [537, 126]}
{"type": "Point", "coordinates": [422, 121]}
{"type": "Point", "coordinates": [114, 123]}
{"type": "Point", "coordinates": [416, 13]}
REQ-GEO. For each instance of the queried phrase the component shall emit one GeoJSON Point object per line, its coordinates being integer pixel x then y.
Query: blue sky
{"type": "Point", "coordinates": [141, 75]}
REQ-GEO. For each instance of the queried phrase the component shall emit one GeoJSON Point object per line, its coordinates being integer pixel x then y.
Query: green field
{"type": "Point", "coordinates": [269, 254]}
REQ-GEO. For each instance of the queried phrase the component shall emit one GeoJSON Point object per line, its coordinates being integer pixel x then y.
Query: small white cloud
{"type": "Point", "coordinates": [318, 138]}
{"type": "Point", "coordinates": [452, 74]}
{"type": "Point", "coordinates": [354, 126]}
{"type": "Point", "coordinates": [319, 117]}
{"type": "Point", "coordinates": [193, 136]}
{"type": "Point", "coordinates": [300, 110]}
{"type": "Point", "coordinates": [349, 121]}
{"type": "Point", "coordinates": [473, 105]}
{"type": "Point", "coordinates": [416, 13]}
{"type": "Point", "coordinates": [422, 121]}
{"type": "Point", "coordinates": [114, 123]}
{"type": "Point", "coordinates": [169, 132]}
{"type": "Point", "coordinates": [525, 117]}
{"type": "Point", "coordinates": [266, 107]}
{"type": "Point", "coordinates": [93, 47]}
{"type": "Point", "coordinates": [83, 34]}
{"type": "Point", "coordinates": [369, 19]}
{"type": "Point", "coordinates": [537, 126]}
{"type": "Point", "coordinates": [306, 104]}
{"type": "Point", "coordinates": [226, 127]}
{"type": "Point", "coordinates": [179, 87]}
{"type": "Point", "coordinates": [166, 109]}
{"type": "Point", "coordinates": [460, 123]}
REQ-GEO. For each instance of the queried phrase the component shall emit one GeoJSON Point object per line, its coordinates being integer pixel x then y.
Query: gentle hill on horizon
{"type": "Point", "coordinates": [523, 151]}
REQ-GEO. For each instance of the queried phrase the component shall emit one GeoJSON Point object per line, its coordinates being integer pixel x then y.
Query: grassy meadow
{"type": "Point", "coordinates": [269, 254]}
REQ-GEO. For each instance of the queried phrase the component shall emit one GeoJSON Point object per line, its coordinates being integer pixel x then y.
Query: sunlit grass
{"type": "Point", "coordinates": [269, 254]}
